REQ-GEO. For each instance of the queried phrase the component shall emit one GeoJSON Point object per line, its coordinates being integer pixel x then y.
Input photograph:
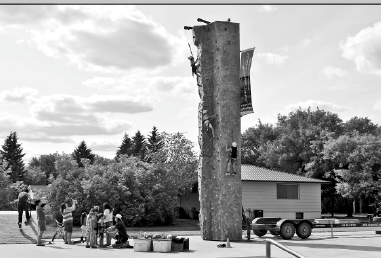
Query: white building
{"type": "Point", "coordinates": [268, 193]}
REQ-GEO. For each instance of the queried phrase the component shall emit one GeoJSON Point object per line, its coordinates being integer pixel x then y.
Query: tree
{"type": "Point", "coordinates": [45, 163]}
{"type": "Point", "coordinates": [5, 189]}
{"type": "Point", "coordinates": [179, 159]}
{"type": "Point", "coordinates": [138, 145]}
{"type": "Point", "coordinates": [126, 147]}
{"type": "Point", "coordinates": [362, 125]}
{"type": "Point", "coordinates": [291, 151]}
{"type": "Point", "coordinates": [82, 152]}
{"type": "Point", "coordinates": [252, 139]}
{"type": "Point", "coordinates": [12, 154]}
{"type": "Point", "coordinates": [155, 142]}
{"type": "Point", "coordinates": [35, 176]}
{"type": "Point", "coordinates": [357, 159]}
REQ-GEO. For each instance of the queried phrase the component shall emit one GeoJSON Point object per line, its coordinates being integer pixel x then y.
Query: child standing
{"type": "Point", "coordinates": [91, 223]}
{"type": "Point", "coordinates": [108, 219]}
{"type": "Point", "coordinates": [41, 220]}
{"type": "Point", "coordinates": [83, 226]}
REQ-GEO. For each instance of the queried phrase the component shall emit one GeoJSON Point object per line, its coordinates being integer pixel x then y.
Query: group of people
{"type": "Point", "coordinates": [93, 225]}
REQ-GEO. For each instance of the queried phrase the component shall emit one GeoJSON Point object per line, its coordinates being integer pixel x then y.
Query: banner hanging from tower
{"type": "Point", "coordinates": [244, 78]}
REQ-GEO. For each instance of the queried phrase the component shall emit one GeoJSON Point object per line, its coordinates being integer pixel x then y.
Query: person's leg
{"type": "Point", "coordinates": [20, 210]}
{"type": "Point", "coordinates": [70, 231]}
{"type": "Point", "coordinates": [88, 239]}
{"type": "Point", "coordinates": [27, 214]}
{"type": "Point", "coordinates": [66, 231]}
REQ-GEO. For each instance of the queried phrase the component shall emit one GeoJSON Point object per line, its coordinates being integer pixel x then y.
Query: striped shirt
{"type": "Point", "coordinates": [67, 214]}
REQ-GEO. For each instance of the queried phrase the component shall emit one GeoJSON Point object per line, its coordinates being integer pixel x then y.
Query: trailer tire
{"type": "Point", "coordinates": [304, 230]}
{"type": "Point", "coordinates": [287, 230]}
{"type": "Point", "coordinates": [274, 233]}
{"type": "Point", "coordinates": [259, 233]}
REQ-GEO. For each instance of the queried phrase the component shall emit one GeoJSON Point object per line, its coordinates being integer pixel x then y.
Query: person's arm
{"type": "Point", "coordinates": [74, 205]}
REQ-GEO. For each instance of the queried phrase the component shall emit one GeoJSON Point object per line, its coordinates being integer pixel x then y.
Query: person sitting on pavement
{"type": "Point", "coordinates": [120, 228]}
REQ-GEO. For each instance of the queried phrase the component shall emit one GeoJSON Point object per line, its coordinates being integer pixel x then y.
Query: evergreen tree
{"type": "Point", "coordinates": [82, 152]}
{"type": "Point", "coordinates": [155, 141]}
{"type": "Point", "coordinates": [126, 147]}
{"type": "Point", "coordinates": [12, 155]}
{"type": "Point", "coordinates": [138, 145]}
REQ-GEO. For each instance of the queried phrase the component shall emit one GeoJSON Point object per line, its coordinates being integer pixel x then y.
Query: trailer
{"type": "Point", "coordinates": [287, 228]}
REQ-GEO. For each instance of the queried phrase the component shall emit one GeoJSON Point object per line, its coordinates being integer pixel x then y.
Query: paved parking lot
{"type": "Point", "coordinates": [319, 245]}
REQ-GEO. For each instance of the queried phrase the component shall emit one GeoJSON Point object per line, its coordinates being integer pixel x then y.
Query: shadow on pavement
{"type": "Point", "coordinates": [335, 246]}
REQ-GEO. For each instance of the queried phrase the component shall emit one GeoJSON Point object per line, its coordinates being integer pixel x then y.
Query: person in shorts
{"type": "Point", "coordinates": [68, 220]}
{"type": "Point", "coordinates": [41, 220]}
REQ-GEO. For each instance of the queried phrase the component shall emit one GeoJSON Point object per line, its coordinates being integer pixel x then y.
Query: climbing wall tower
{"type": "Point", "coordinates": [218, 66]}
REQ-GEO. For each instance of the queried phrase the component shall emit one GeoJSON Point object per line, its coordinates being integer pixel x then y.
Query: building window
{"type": "Point", "coordinates": [287, 191]}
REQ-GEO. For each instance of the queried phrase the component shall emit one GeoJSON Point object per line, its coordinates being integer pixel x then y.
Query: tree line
{"type": "Point", "coordinates": [315, 144]}
{"type": "Point", "coordinates": [320, 145]}
{"type": "Point", "coordinates": [142, 181]}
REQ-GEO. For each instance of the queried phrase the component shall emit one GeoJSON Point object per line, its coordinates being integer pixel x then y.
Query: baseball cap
{"type": "Point", "coordinates": [118, 216]}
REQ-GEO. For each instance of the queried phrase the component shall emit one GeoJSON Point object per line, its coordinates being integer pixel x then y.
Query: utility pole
{"type": "Point", "coordinates": [217, 69]}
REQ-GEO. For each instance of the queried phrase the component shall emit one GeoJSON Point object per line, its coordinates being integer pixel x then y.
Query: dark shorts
{"type": "Point", "coordinates": [68, 227]}
{"type": "Point", "coordinates": [42, 225]}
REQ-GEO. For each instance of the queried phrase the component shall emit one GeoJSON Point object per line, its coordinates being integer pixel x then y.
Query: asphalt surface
{"type": "Point", "coordinates": [318, 245]}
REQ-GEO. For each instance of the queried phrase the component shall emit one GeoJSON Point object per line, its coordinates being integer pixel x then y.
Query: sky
{"type": "Point", "coordinates": [95, 72]}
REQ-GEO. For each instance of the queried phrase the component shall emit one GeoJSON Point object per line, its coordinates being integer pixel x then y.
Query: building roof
{"type": "Point", "coordinates": [43, 188]}
{"type": "Point", "coordinates": [253, 173]}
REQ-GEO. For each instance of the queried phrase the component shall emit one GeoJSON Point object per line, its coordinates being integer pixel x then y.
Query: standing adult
{"type": "Point", "coordinates": [23, 199]}
{"type": "Point", "coordinates": [107, 220]}
{"type": "Point", "coordinates": [68, 220]}
{"type": "Point", "coordinates": [41, 220]}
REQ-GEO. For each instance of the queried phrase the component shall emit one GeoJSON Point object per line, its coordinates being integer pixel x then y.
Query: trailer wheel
{"type": "Point", "coordinates": [259, 233]}
{"type": "Point", "coordinates": [287, 230]}
{"type": "Point", "coordinates": [274, 233]}
{"type": "Point", "coordinates": [304, 230]}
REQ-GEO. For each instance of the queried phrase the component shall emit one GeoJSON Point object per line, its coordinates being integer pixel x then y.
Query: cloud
{"type": "Point", "coordinates": [377, 106]}
{"type": "Point", "coordinates": [271, 58]}
{"type": "Point", "coordinates": [364, 49]}
{"type": "Point", "coordinates": [53, 130]}
{"type": "Point", "coordinates": [41, 137]}
{"type": "Point", "coordinates": [147, 86]}
{"type": "Point", "coordinates": [104, 145]}
{"type": "Point", "coordinates": [313, 104]}
{"type": "Point", "coordinates": [57, 116]}
{"type": "Point", "coordinates": [19, 95]}
{"type": "Point", "coordinates": [75, 109]}
{"type": "Point", "coordinates": [97, 38]}
{"type": "Point", "coordinates": [267, 8]}
{"type": "Point", "coordinates": [305, 42]}
{"type": "Point", "coordinates": [330, 72]}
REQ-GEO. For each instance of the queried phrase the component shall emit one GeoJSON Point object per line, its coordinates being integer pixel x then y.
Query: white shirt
{"type": "Point", "coordinates": [108, 215]}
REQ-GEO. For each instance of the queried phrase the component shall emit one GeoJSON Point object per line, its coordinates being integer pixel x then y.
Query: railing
{"type": "Point", "coordinates": [268, 249]}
